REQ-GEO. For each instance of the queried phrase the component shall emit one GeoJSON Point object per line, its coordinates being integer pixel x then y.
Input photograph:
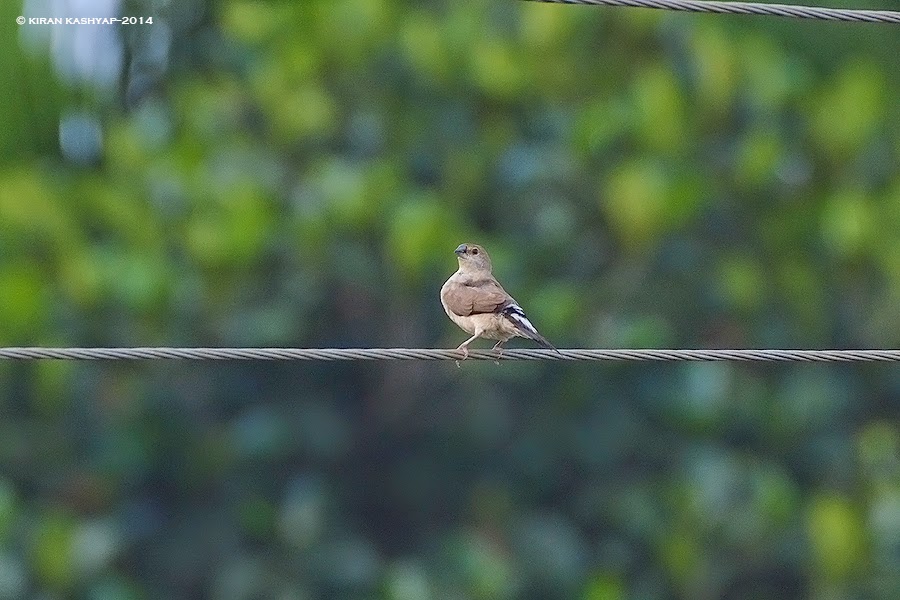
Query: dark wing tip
{"type": "Point", "coordinates": [545, 343]}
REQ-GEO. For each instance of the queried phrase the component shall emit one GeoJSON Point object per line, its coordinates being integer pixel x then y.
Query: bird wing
{"type": "Point", "coordinates": [476, 297]}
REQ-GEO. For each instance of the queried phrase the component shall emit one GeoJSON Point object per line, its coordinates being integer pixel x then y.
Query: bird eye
{"type": "Point", "coordinates": [474, 250]}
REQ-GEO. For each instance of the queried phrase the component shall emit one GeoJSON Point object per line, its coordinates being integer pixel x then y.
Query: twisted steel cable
{"type": "Point", "coordinates": [345, 354]}
{"type": "Point", "coordinates": [749, 8]}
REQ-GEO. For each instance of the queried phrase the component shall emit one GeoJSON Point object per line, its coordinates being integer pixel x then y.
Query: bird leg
{"type": "Point", "coordinates": [465, 346]}
{"type": "Point", "coordinates": [499, 348]}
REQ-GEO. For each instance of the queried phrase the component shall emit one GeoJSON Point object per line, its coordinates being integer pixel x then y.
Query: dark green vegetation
{"type": "Point", "coordinates": [299, 173]}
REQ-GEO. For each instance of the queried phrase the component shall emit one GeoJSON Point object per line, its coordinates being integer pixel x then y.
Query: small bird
{"type": "Point", "coordinates": [476, 302]}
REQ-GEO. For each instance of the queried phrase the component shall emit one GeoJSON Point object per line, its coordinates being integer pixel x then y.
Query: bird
{"type": "Point", "coordinates": [478, 304]}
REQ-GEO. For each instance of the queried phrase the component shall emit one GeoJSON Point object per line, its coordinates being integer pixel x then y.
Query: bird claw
{"type": "Point", "coordinates": [499, 348]}
{"type": "Point", "coordinates": [465, 351]}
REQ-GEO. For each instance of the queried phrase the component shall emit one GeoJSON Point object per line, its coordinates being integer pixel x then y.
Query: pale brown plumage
{"type": "Point", "coordinates": [476, 302]}
{"type": "Point", "coordinates": [475, 296]}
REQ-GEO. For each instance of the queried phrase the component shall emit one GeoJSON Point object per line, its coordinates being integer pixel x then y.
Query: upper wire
{"type": "Point", "coordinates": [750, 8]}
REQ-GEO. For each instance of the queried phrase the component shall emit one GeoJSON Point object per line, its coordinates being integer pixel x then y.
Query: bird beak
{"type": "Point", "coordinates": [460, 250]}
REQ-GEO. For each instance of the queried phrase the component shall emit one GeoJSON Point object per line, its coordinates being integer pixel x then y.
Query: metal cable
{"type": "Point", "coordinates": [345, 354]}
{"type": "Point", "coordinates": [750, 8]}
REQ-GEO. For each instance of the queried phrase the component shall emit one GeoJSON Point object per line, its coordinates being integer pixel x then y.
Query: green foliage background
{"type": "Point", "coordinates": [299, 174]}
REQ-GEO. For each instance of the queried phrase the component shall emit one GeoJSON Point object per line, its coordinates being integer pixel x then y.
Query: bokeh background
{"type": "Point", "coordinates": [244, 173]}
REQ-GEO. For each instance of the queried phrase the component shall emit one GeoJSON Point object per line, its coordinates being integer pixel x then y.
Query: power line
{"type": "Point", "coordinates": [355, 354]}
{"type": "Point", "coordinates": [750, 8]}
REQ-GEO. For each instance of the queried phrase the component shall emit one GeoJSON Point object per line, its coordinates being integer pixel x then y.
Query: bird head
{"type": "Point", "coordinates": [472, 257]}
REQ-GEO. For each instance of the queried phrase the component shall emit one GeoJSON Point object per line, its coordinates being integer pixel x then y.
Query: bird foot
{"type": "Point", "coordinates": [499, 348]}
{"type": "Point", "coordinates": [465, 351]}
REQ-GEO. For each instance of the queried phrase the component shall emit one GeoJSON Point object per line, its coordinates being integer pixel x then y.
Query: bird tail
{"type": "Point", "coordinates": [517, 316]}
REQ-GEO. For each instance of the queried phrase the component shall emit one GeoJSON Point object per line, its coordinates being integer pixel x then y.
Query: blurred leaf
{"type": "Point", "coordinates": [24, 303]}
{"type": "Point", "coordinates": [850, 109]}
{"type": "Point", "coordinates": [680, 555]}
{"type": "Point", "coordinates": [837, 536]}
{"type": "Point", "coordinates": [252, 22]}
{"type": "Point", "coordinates": [421, 235]}
{"type": "Point", "coordinates": [715, 68]}
{"type": "Point", "coordinates": [759, 158]}
{"type": "Point", "coordinates": [642, 201]}
{"type": "Point", "coordinates": [9, 508]}
{"type": "Point", "coordinates": [496, 68]}
{"type": "Point", "coordinates": [485, 571]}
{"type": "Point", "coordinates": [659, 105]}
{"type": "Point", "coordinates": [52, 552]}
{"type": "Point", "coordinates": [847, 222]}
{"type": "Point", "coordinates": [605, 587]}
{"type": "Point", "coordinates": [743, 283]}
{"type": "Point", "coordinates": [407, 581]}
